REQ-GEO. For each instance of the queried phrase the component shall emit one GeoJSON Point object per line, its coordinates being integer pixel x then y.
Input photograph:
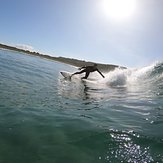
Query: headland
{"type": "Point", "coordinates": [70, 61]}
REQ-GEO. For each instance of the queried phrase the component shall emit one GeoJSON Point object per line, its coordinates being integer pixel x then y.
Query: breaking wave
{"type": "Point", "coordinates": [151, 75]}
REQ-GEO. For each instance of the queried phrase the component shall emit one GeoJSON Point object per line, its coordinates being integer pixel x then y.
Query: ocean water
{"type": "Point", "coordinates": [47, 119]}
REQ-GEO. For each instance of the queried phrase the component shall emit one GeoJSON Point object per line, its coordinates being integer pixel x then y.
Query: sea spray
{"type": "Point", "coordinates": [128, 77]}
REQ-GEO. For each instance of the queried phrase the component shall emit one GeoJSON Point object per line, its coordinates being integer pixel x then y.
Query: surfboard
{"type": "Point", "coordinates": [66, 75]}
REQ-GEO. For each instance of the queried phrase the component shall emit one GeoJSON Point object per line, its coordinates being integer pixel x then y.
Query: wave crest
{"type": "Point", "coordinates": [149, 75]}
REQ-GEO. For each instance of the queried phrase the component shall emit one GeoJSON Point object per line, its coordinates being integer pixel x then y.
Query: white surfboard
{"type": "Point", "coordinates": [66, 74]}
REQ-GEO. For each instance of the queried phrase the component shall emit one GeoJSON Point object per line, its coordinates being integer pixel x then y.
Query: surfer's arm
{"type": "Point", "coordinates": [100, 73]}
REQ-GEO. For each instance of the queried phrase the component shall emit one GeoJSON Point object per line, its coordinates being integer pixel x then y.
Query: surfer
{"type": "Point", "coordinates": [87, 70]}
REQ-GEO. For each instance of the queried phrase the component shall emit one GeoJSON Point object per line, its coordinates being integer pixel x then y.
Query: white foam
{"type": "Point", "coordinates": [123, 77]}
{"type": "Point", "coordinates": [126, 77]}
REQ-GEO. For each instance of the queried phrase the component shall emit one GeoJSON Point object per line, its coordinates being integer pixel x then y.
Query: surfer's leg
{"type": "Point", "coordinates": [80, 72]}
{"type": "Point", "coordinates": [86, 75]}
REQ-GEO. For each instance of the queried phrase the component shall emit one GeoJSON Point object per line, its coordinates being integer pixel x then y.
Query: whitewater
{"type": "Point", "coordinates": [45, 118]}
{"type": "Point", "coordinates": [145, 81]}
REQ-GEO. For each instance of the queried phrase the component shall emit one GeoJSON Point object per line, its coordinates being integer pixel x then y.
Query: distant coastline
{"type": "Point", "coordinates": [70, 61]}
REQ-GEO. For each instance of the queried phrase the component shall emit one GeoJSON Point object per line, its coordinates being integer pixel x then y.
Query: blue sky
{"type": "Point", "coordinates": [80, 29]}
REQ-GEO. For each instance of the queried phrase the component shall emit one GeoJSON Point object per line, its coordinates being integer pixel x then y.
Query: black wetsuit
{"type": "Point", "coordinates": [87, 70]}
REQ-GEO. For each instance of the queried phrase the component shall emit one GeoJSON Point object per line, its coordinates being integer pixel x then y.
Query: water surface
{"type": "Point", "coordinates": [45, 118]}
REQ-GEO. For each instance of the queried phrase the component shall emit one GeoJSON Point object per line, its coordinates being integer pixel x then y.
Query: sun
{"type": "Point", "coordinates": [118, 9]}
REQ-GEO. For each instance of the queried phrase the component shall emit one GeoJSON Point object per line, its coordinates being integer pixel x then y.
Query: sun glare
{"type": "Point", "coordinates": [119, 9]}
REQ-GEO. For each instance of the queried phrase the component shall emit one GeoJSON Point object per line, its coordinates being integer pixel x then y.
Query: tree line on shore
{"type": "Point", "coordinates": [70, 61]}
